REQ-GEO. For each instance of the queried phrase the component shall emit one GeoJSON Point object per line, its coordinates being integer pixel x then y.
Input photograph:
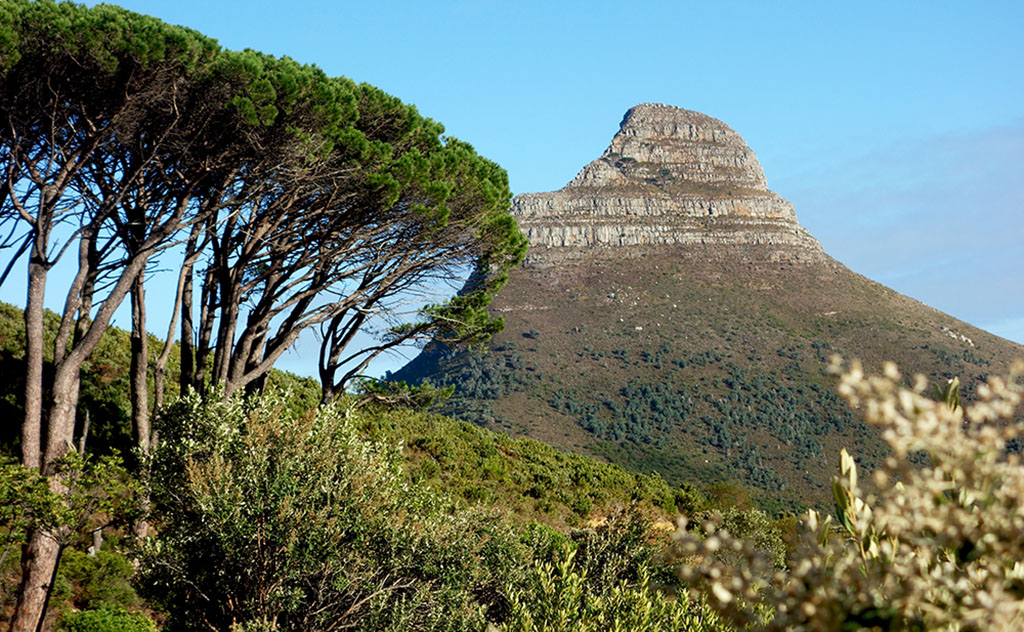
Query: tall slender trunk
{"type": "Point", "coordinates": [227, 326]}
{"type": "Point", "coordinates": [42, 554]}
{"type": "Point", "coordinates": [184, 277]}
{"type": "Point", "coordinates": [84, 437]}
{"type": "Point", "coordinates": [186, 377]}
{"type": "Point", "coordinates": [207, 315]}
{"type": "Point", "coordinates": [253, 362]}
{"type": "Point", "coordinates": [139, 369]}
{"type": "Point", "coordinates": [41, 557]}
{"type": "Point", "coordinates": [32, 426]}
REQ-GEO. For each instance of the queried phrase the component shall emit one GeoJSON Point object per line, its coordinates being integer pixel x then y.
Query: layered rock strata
{"type": "Point", "coordinates": [669, 177]}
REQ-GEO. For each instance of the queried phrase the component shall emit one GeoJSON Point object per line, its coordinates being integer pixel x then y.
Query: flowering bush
{"type": "Point", "coordinates": [938, 546]}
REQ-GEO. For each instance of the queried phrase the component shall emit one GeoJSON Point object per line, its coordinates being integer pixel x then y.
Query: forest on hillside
{"type": "Point", "coordinates": [180, 483]}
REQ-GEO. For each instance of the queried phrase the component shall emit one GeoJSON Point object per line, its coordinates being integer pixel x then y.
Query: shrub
{"type": "Point", "coordinates": [98, 581]}
{"type": "Point", "coordinates": [603, 578]}
{"type": "Point", "coordinates": [106, 620]}
{"type": "Point", "coordinates": [556, 597]}
{"type": "Point", "coordinates": [939, 546]}
{"type": "Point", "coordinates": [271, 519]}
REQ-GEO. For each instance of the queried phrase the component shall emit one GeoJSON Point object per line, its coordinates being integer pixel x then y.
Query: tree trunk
{"type": "Point", "coordinates": [85, 433]}
{"type": "Point", "coordinates": [139, 369]}
{"type": "Point", "coordinates": [38, 569]}
{"type": "Point", "coordinates": [42, 554]}
{"type": "Point", "coordinates": [32, 426]}
{"type": "Point", "coordinates": [97, 542]}
{"type": "Point", "coordinates": [207, 316]}
{"type": "Point", "coordinates": [227, 326]}
{"type": "Point", "coordinates": [41, 558]}
{"type": "Point", "coordinates": [187, 358]}
{"type": "Point", "coordinates": [184, 276]}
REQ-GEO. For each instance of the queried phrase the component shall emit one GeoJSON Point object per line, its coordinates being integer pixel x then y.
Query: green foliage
{"type": "Point", "coordinates": [556, 598]}
{"type": "Point", "coordinates": [95, 582]}
{"type": "Point", "coordinates": [753, 526]}
{"type": "Point", "coordinates": [97, 492]}
{"type": "Point", "coordinates": [104, 386]}
{"type": "Point", "coordinates": [481, 377]}
{"type": "Point", "coordinates": [528, 478]}
{"type": "Point", "coordinates": [400, 394]}
{"type": "Point", "coordinates": [106, 620]}
{"type": "Point", "coordinates": [105, 36]}
{"type": "Point", "coordinates": [25, 502]}
{"type": "Point", "coordinates": [933, 548]}
{"type": "Point", "coordinates": [270, 517]}
{"type": "Point", "coordinates": [652, 411]}
{"type": "Point", "coordinates": [603, 578]}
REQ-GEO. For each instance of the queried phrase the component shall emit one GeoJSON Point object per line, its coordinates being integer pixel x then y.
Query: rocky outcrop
{"type": "Point", "coordinates": [669, 177]}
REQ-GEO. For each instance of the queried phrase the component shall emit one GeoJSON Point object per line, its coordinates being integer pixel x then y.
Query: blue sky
{"type": "Point", "coordinates": [896, 129]}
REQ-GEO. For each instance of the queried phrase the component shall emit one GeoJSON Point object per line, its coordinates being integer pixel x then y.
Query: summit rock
{"type": "Point", "coordinates": [669, 177]}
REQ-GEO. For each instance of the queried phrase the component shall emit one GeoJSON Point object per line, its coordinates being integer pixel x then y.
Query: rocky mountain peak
{"type": "Point", "coordinates": [669, 177]}
{"type": "Point", "coordinates": [667, 147]}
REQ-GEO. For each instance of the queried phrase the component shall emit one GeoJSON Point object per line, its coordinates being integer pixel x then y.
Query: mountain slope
{"type": "Point", "coordinates": [673, 316]}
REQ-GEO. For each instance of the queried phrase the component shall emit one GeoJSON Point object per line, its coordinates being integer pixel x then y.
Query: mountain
{"type": "Point", "coordinates": [671, 177]}
{"type": "Point", "coordinates": [674, 317]}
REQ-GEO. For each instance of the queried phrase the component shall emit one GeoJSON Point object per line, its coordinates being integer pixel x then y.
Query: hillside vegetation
{"type": "Point", "coordinates": [545, 502]}
{"type": "Point", "coordinates": [702, 367]}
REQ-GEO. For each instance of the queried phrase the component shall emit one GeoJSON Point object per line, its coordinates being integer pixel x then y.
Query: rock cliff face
{"type": "Point", "coordinates": [669, 177]}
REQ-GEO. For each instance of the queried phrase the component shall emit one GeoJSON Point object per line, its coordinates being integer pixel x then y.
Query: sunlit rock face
{"type": "Point", "coordinates": [669, 177]}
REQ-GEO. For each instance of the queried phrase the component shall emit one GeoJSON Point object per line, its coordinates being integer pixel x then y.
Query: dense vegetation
{"type": "Point", "coordinates": [937, 547]}
{"type": "Point", "coordinates": [286, 199]}
{"type": "Point", "coordinates": [705, 365]}
{"type": "Point", "coordinates": [440, 524]}
{"type": "Point", "coordinates": [589, 532]}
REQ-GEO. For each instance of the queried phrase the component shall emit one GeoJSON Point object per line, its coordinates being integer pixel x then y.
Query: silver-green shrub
{"type": "Point", "coordinates": [270, 519]}
{"type": "Point", "coordinates": [936, 547]}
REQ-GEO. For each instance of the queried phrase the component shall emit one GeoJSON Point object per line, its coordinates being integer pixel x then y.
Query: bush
{"type": "Point", "coordinates": [274, 519]}
{"type": "Point", "coordinates": [98, 493]}
{"type": "Point", "coordinates": [106, 620]}
{"type": "Point", "coordinates": [556, 598]}
{"type": "Point", "coordinates": [99, 581]}
{"type": "Point", "coordinates": [940, 546]}
{"type": "Point", "coordinates": [602, 578]}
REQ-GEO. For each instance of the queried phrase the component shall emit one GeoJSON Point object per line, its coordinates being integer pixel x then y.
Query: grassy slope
{"type": "Point", "coordinates": [527, 478]}
{"type": "Point", "coordinates": [726, 358]}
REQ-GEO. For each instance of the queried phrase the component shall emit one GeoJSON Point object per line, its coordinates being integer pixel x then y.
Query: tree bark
{"type": "Point", "coordinates": [85, 433]}
{"type": "Point", "coordinates": [39, 560]}
{"type": "Point", "coordinates": [186, 377]}
{"type": "Point", "coordinates": [139, 369]}
{"type": "Point", "coordinates": [207, 315]}
{"type": "Point", "coordinates": [184, 276]}
{"type": "Point", "coordinates": [32, 426]}
{"type": "Point", "coordinates": [97, 541]}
